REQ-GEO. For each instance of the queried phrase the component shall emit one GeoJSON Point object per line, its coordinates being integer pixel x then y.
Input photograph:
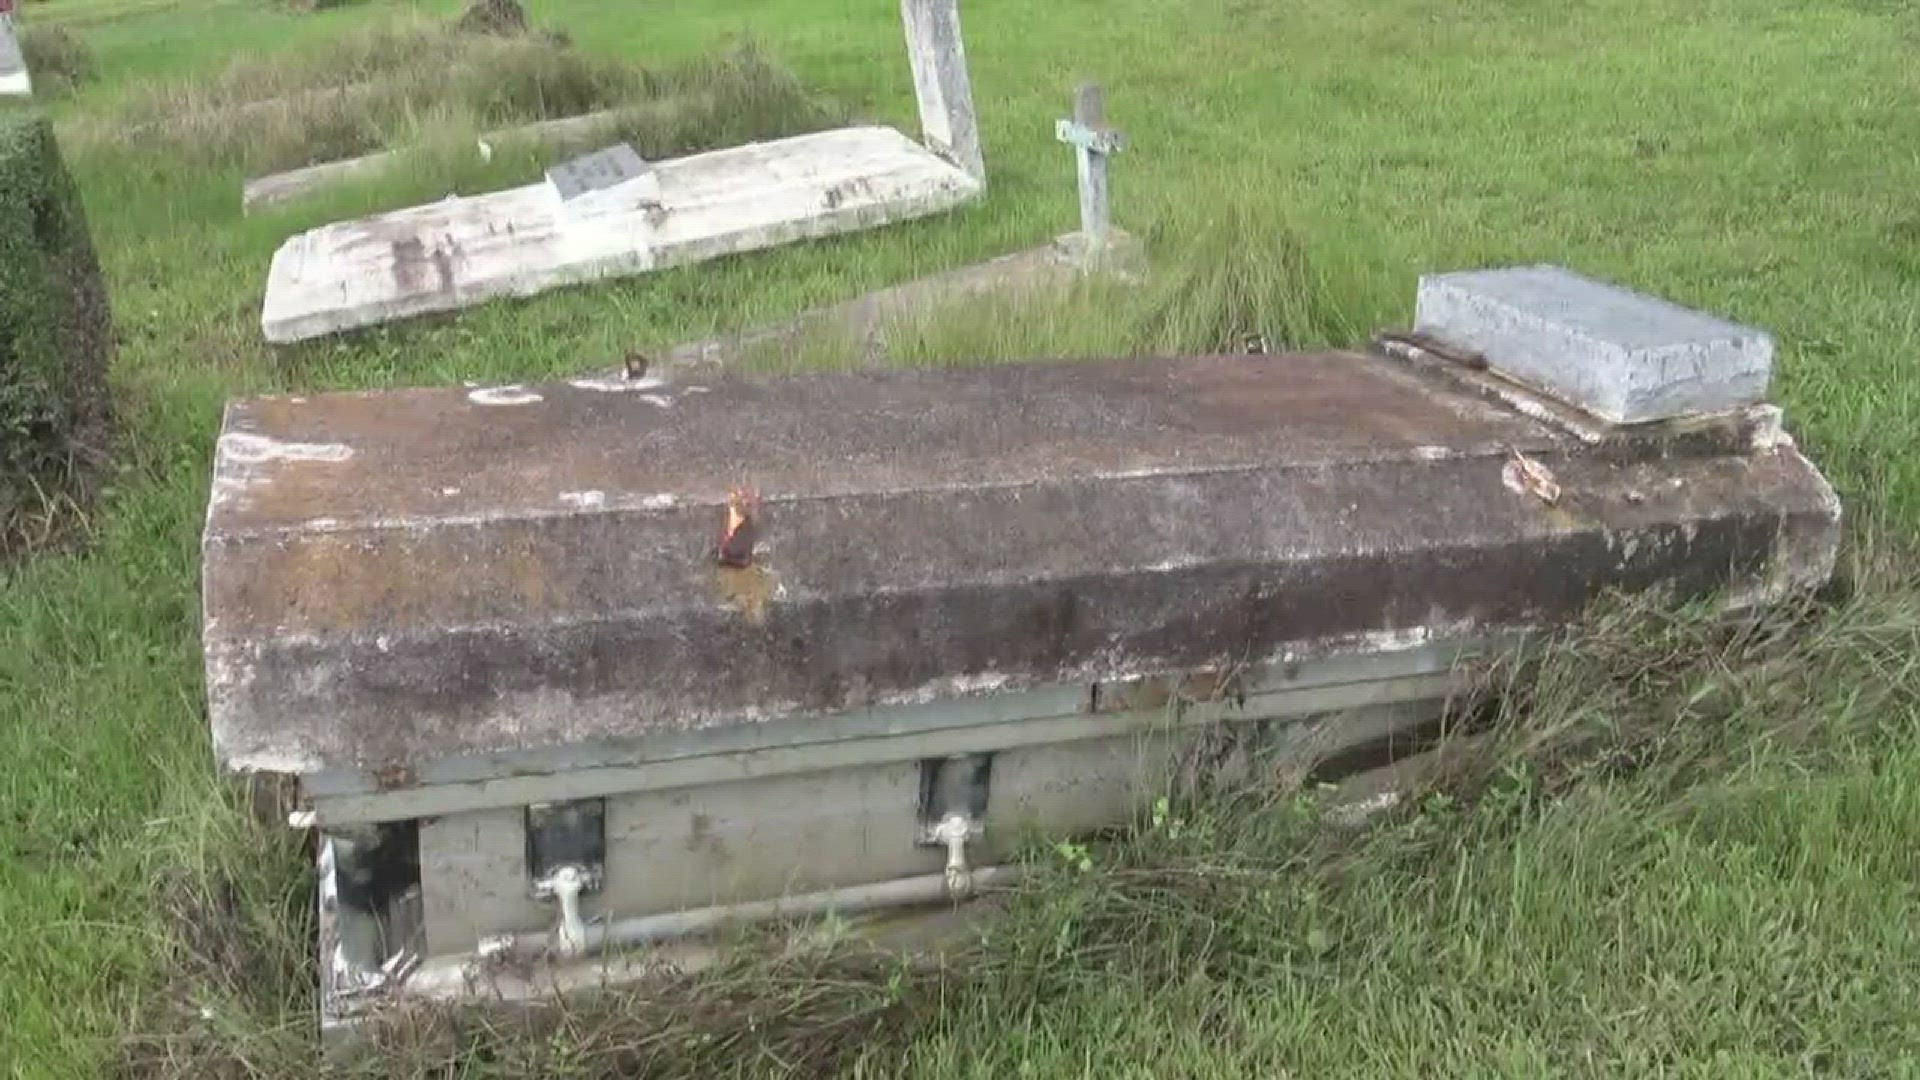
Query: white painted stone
{"type": "Point", "coordinates": [459, 252]}
{"type": "Point", "coordinates": [503, 395]}
{"type": "Point", "coordinates": [941, 83]}
{"type": "Point", "coordinates": [14, 80]}
{"type": "Point", "coordinates": [1620, 355]}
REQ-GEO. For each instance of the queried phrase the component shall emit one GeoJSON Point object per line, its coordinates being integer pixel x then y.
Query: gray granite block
{"type": "Point", "coordinates": [1618, 354]}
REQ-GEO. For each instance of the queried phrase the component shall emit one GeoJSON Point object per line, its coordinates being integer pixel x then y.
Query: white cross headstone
{"type": "Point", "coordinates": [1093, 143]}
{"type": "Point", "coordinates": [940, 83]}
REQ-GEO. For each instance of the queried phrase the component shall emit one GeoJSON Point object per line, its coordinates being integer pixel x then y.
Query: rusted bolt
{"type": "Point", "coordinates": [393, 777]}
{"type": "Point", "coordinates": [1528, 477]}
{"type": "Point", "coordinates": [742, 529]}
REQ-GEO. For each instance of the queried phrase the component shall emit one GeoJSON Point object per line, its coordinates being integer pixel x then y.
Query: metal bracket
{"type": "Point", "coordinates": [953, 832]}
{"type": "Point", "coordinates": [567, 857]}
{"type": "Point", "coordinates": [566, 836]}
{"type": "Point", "coordinates": [952, 786]}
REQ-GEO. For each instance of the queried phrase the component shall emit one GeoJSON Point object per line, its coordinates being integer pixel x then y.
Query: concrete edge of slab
{"type": "Point", "coordinates": [15, 81]}
{"type": "Point", "coordinates": [605, 780]}
{"type": "Point", "coordinates": [1358, 800]}
{"type": "Point", "coordinates": [280, 187]}
{"type": "Point", "coordinates": [864, 322]}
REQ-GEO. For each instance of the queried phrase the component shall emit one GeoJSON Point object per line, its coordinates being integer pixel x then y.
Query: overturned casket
{"type": "Point", "coordinates": [565, 670]}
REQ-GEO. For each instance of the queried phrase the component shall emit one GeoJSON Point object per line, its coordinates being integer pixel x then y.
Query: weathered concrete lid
{"type": "Point", "coordinates": [397, 577]}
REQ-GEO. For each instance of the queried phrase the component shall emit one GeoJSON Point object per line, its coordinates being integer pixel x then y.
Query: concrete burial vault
{"type": "Point", "coordinates": [569, 670]}
{"type": "Point", "coordinates": [613, 215]}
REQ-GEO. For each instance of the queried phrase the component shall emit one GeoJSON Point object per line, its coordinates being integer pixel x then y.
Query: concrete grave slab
{"type": "Point", "coordinates": [397, 578]}
{"type": "Point", "coordinates": [969, 603]}
{"type": "Point", "coordinates": [285, 186]}
{"type": "Point", "coordinates": [459, 252]}
{"type": "Point", "coordinates": [450, 256]}
{"type": "Point", "coordinates": [941, 84]}
{"type": "Point", "coordinates": [1625, 357]}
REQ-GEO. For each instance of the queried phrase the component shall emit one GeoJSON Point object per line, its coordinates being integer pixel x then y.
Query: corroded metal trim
{"type": "Point", "coordinates": [996, 722]}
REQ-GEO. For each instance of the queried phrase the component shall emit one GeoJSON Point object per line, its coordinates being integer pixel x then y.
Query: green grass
{"type": "Point", "coordinates": [1744, 906]}
{"type": "Point", "coordinates": [400, 82]}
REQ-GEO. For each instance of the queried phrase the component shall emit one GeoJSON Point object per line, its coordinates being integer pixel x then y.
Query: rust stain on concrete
{"type": "Point", "coordinates": [749, 590]}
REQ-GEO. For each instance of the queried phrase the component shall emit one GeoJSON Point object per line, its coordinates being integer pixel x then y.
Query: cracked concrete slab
{"type": "Point", "coordinates": [397, 577]}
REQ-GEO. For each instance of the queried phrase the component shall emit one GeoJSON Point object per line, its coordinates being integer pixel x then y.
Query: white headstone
{"type": "Point", "coordinates": [940, 83]}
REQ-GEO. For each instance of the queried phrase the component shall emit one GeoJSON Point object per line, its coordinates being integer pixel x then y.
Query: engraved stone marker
{"type": "Point", "coordinates": [614, 180]}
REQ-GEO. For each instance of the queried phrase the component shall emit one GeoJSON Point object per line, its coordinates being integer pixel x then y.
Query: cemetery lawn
{"type": "Point", "coordinates": [1703, 857]}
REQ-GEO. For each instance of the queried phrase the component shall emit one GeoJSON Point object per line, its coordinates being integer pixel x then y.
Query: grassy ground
{"type": "Point", "coordinates": [1741, 901]}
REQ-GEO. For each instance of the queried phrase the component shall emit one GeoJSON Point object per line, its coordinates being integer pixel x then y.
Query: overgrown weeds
{"type": "Point", "coordinates": [57, 58]}
{"type": "Point", "coordinates": [1226, 281]}
{"type": "Point", "coordinates": [389, 85]}
{"type": "Point", "coordinates": [493, 17]}
{"type": "Point", "coordinates": [234, 995]}
{"type": "Point", "coordinates": [1675, 698]}
{"type": "Point", "coordinates": [1245, 283]}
